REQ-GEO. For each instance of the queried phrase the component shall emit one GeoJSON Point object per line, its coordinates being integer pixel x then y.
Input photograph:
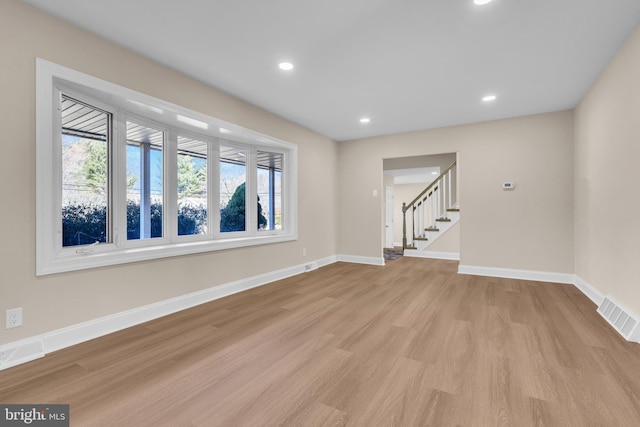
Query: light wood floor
{"type": "Point", "coordinates": [409, 344]}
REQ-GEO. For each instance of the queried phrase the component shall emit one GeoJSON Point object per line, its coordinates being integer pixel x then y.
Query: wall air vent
{"type": "Point", "coordinates": [621, 319]}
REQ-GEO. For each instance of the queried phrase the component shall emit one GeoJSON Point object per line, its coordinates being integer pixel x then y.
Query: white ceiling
{"type": "Point", "coordinates": [406, 64]}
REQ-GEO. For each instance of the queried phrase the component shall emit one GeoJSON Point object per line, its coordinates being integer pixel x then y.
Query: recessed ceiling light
{"type": "Point", "coordinates": [481, 2]}
{"type": "Point", "coordinates": [286, 66]}
{"type": "Point", "coordinates": [489, 98]}
{"type": "Point", "coordinates": [365, 120]}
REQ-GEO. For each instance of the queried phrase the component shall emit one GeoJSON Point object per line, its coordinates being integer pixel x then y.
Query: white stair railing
{"type": "Point", "coordinates": [431, 205]}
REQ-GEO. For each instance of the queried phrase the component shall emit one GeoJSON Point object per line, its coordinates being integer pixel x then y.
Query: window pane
{"type": "Point", "coordinates": [85, 177]}
{"type": "Point", "coordinates": [233, 177]}
{"type": "Point", "coordinates": [269, 191]}
{"type": "Point", "coordinates": [144, 181]}
{"type": "Point", "coordinates": [192, 186]}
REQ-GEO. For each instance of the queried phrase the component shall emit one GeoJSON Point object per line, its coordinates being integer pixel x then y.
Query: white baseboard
{"type": "Point", "coordinates": [432, 254]}
{"type": "Point", "coordinates": [356, 259]}
{"type": "Point", "coordinates": [23, 351]}
{"type": "Point", "coordinates": [508, 273]}
{"type": "Point", "coordinates": [598, 298]}
{"type": "Point", "coordinates": [592, 293]}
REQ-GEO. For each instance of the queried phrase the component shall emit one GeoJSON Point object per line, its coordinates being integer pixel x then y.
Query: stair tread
{"type": "Point", "coordinates": [432, 229]}
{"type": "Point", "coordinates": [453, 210]}
{"type": "Point", "coordinates": [443, 220]}
{"type": "Point", "coordinates": [422, 239]}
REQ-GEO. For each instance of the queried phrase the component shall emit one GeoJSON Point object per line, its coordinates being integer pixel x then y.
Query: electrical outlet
{"type": "Point", "coordinates": [304, 251]}
{"type": "Point", "coordinates": [14, 318]}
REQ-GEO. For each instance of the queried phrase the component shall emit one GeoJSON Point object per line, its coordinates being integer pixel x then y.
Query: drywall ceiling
{"type": "Point", "coordinates": [406, 64]}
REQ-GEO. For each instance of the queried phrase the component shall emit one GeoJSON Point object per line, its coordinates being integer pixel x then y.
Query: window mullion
{"type": "Point", "coordinates": [145, 190]}
{"type": "Point", "coordinates": [56, 160]}
{"type": "Point", "coordinates": [171, 185]}
{"type": "Point", "coordinates": [272, 197]}
{"type": "Point", "coordinates": [252, 191]}
{"type": "Point", "coordinates": [111, 226]}
{"type": "Point", "coordinates": [286, 194]}
{"type": "Point", "coordinates": [119, 179]}
{"type": "Point", "coordinates": [213, 172]}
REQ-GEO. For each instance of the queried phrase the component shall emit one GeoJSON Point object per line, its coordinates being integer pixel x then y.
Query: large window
{"type": "Point", "coordinates": [125, 177]}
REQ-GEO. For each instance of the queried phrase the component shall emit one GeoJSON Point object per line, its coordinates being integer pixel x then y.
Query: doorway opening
{"type": "Point", "coordinates": [405, 178]}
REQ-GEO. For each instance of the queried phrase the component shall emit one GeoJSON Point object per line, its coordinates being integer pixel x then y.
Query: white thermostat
{"type": "Point", "coordinates": [508, 185]}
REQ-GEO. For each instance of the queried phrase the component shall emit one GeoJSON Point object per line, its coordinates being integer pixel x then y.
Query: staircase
{"type": "Point", "coordinates": [431, 213]}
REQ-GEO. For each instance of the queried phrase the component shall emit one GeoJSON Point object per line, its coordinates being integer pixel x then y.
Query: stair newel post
{"type": "Point", "coordinates": [404, 225]}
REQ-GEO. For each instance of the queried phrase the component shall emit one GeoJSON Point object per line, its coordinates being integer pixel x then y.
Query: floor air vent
{"type": "Point", "coordinates": [619, 318]}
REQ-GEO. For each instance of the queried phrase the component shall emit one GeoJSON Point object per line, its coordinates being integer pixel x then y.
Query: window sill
{"type": "Point", "coordinates": [89, 260]}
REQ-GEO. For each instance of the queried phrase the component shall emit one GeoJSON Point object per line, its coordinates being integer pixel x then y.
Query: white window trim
{"type": "Point", "coordinates": [50, 258]}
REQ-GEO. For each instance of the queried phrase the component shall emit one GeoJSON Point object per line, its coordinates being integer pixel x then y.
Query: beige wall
{"type": "Point", "coordinates": [56, 301]}
{"type": "Point", "coordinates": [607, 205]}
{"type": "Point", "coordinates": [529, 228]}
